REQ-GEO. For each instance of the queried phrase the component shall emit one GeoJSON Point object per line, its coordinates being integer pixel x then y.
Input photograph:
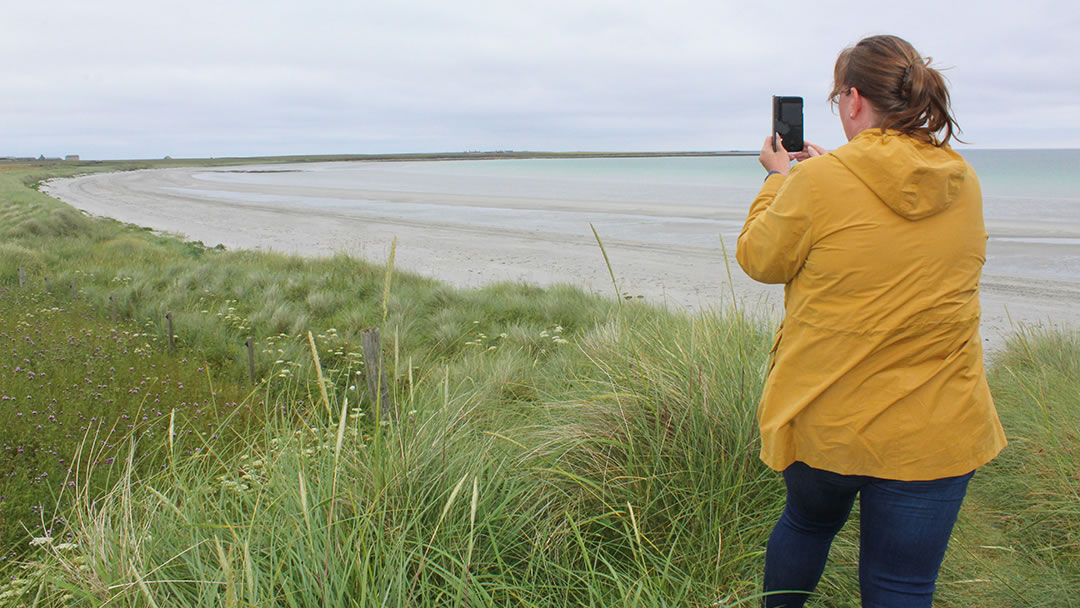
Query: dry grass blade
{"type": "Point", "coordinates": [168, 503]}
{"type": "Point", "coordinates": [633, 522]}
{"type": "Point", "coordinates": [249, 572]}
{"type": "Point", "coordinates": [614, 283]}
{"type": "Point", "coordinates": [227, 572]}
{"type": "Point", "coordinates": [337, 462]}
{"type": "Point", "coordinates": [303, 500]}
{"type": "Point", "coordinates": [731, 284]}
{"type": "Point", "coordinates": [389, 275]}
{"type": "Point", "coordinates": [319, 375]}
{"type": "Point", "coordinates": [143, 587]}
{"type": "Point", "coordinates": [172, 430]}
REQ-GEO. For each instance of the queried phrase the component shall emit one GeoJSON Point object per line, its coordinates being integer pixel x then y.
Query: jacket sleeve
{"type": "Point", "coordinates": [776, 238]}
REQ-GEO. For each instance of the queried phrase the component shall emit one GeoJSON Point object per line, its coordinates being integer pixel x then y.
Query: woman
{"type": "Point", "coordinates": [876, 385]}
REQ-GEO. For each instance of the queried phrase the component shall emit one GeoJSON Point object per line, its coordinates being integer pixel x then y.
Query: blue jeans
{"type": "Point", "coordinates": [905, 528]}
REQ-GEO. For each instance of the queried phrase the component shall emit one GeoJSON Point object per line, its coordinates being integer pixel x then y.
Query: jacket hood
{"type": "Point", "coordinates": [915, 179]}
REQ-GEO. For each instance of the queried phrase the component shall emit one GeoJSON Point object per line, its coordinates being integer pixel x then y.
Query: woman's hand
{"type": "Point", "coordinates": [810, 151]}
{"type": "Point", "coordinates": [775, 160]}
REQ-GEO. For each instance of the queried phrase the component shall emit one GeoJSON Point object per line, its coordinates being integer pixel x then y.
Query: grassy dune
{"type": "Point", "coordinates": [553, 448]}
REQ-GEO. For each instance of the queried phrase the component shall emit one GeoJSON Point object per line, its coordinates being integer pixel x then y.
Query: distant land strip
{"type": "Point", "coordinates": [421, 156]}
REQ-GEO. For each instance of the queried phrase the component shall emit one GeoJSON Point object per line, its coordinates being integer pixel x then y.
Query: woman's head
{"type": "Point", "coordinates": [907, 94]}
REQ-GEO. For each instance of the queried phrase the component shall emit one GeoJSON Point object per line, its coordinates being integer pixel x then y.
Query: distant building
{"type": "Point", "coordinates": [71, 157]}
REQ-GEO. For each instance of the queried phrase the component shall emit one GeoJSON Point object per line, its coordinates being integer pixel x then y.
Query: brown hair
{"type": "Point", "coordinates": [910, 95]}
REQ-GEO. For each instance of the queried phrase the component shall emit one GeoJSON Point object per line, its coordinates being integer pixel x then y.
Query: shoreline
{"type": "Point", "coordinates": [691, 277]}
{"type": "Point", "coordinates": [169, 162]}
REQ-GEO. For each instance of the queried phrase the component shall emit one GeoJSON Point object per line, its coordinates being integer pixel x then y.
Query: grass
{"type": "Point", "coordinates": [1029, 502]}
{"type": "Point", "coordinates": [553, 448]}
{"type": "Point", "coordinates": [590, 500]}
{"type": "Point", "coordinates": [71, 379]}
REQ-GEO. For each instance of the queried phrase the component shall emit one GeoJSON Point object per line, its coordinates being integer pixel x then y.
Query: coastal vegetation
{"type": "Point", "coordinates": [550, 447]}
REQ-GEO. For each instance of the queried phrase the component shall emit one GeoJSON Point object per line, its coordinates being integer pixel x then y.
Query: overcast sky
{"type": "Point", "coordinates": [145, 78]}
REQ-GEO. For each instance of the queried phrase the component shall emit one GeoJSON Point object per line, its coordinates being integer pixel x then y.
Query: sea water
{"type": "Point", "coordinates": [1031, 198]}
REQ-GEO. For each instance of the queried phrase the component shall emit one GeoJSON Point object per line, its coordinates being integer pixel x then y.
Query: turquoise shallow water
{"type": "Point", "coordinates": [1013, 181]}
{"type": "Point", "coordinates": [1031, 198]}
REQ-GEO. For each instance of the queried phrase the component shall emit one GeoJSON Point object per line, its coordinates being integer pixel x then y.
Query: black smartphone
{"type": "Point", "coordinates": [787, 120]}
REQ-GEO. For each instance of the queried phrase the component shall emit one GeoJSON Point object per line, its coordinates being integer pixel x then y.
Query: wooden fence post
{"type": "Point", "coordinates": [48, 285]}
{"type": "Point", "coordinates": [112, 307]}
{"type": "Point", "coordinates": [378, 387]}
{"type": "Point", "coordinates": [168, 316]}
{"type": "Point", "coordinates": [251, 358]}
{"type": "Point", "coordinates": [22, 277]}
{"type": "Point", "coordinates": [73, 291]}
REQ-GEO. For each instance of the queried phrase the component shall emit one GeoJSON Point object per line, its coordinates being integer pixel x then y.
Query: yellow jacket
{"type": "Point", "coordinates": [878, 365]}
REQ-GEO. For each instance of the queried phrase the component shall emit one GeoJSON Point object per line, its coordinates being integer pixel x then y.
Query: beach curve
{"type": "Point", "coordinates": [685, 275]}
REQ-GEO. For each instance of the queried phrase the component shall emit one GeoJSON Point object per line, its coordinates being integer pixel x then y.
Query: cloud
{"type": "Point", "coordinates": [126, 79]}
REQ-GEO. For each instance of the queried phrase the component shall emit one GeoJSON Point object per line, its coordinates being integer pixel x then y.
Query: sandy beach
{"type": "Point", "coordinates": [683, 273]}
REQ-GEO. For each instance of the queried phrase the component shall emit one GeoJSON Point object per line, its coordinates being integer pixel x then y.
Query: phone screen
{"type": "Point", "coordinates": [788, 122]}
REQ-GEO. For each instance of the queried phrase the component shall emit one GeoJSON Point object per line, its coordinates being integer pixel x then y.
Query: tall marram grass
{"type": "Point", "coordinates": [640, 487]}
{"type": "Point", "coordinates": [1029, 502]}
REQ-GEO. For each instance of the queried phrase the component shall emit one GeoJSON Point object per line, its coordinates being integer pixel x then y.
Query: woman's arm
{"type": "Point", "coordinates": [776, 237]}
